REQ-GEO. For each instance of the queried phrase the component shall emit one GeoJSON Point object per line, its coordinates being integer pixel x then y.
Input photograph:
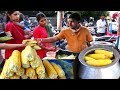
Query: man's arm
{"type": "Point", "coordinates": [47, 40]}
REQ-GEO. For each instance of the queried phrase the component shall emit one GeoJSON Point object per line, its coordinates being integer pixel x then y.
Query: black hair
{"type": "Point", "coordinates": [113, 20]}
{"type": "Point", "coordinates": [21, 17]}
{"type": "Point", "coordinates": [65, 15]}
{"type": "Point", "coordinates": [7, 17]}
{"type": "Point", "coordinates": [75, 16]}
{"type": "Point", "coordinates": [40, 15]}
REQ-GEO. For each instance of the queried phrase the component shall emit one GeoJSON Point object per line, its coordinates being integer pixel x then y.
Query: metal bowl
{"type": "Point", "coordinates": [111, 71]}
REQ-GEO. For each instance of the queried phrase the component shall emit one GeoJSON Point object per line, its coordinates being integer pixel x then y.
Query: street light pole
{"type": "Point", "coordinates": [60, 16]}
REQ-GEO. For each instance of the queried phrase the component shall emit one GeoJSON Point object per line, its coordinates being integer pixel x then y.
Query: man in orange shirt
{"type": "Point", "coordinates": [77, 36]}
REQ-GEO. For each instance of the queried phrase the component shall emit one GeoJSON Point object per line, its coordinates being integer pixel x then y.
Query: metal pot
{"type": "Point", "coordinates": [111, 71]}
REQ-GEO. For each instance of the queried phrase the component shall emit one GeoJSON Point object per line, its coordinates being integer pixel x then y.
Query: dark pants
{"type": "Point", "coordinates": [100, 34]}
{"type": "Point", "coordinates": [76, 65]}
{"type": "Point", "coordinates": [2, 64]}
{"type": "Point", "coordinates": [114, 32]}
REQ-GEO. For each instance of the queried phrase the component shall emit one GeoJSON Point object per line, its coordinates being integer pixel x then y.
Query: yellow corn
{"type": "Point", "coordinates": [33, 77]}
{"type": "Point", "coordinates": [35, 63]}
{"type": "Point", "coordinates": [50, 70]}
{"type": "Point", "coordinates": [108, 54]}
{"type": "Point", "coordinates": [86, 58]}
{"type": "Point", "coordinates": [24, 76]}
{"type": "Point", "coordinates": [30, 72]}
{"type": "Point", "coordinates": [36, 47]}
{"type": "Point", "coordinates": [58, 69]}
{"type": "Point", "coordinates": [42, 76]}
{"type": "Point", "coordinates": [29, 41]}
{"type": "Point", "coordinates": [24, 61]}
{"type": "Point", "coordinates": [6, 72]}
{"type": "Point", "coordinates": [64, 77]}
{"type": "Point", "coordinates": [20, 72]}
{"type": "Point", "coordinates": [97, 56]}
{"type": "Point", "coordinates": [15, 77]}
{"type": "Point", "coordinates": [29, 54]}
{"type": "Point", "coordinates": [15, 61]}
{"type": "Point", "coordinates": [100, 62]}
{"type": "Point", "coordinates": [31, 44]}
{"type": "Point", "coordinates": [2, 76]}
{"type": "Point", "coordinates": [46, 76]}
{"type": "Point", "coordinates": [40, 70]}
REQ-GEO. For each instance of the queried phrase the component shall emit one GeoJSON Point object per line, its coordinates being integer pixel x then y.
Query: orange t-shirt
{"type": "Point", "coordinates": [76, 42]}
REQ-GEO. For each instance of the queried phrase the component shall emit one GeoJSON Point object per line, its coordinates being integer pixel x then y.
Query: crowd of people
{"type": "Point", "coordinates": [76, 35]}
{"type": "Point", "coordinates": [16, 26]}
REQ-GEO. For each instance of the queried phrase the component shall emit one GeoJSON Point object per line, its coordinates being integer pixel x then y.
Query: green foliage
{"type": "Point", "coordinates": [95, 14]}
{"type": "Point", "coordinates": [49, 13]}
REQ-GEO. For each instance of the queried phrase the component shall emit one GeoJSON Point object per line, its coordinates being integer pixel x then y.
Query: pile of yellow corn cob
{"type": "Point", "coordinates": [100, 57]}
{"type": "Point", "coordinates": [28, 65]}
{"type": "Point", "coordinates": [32, 43]}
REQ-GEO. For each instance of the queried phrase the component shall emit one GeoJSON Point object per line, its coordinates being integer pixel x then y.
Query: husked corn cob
{"type": "Point", "coordinates": [58, 69]}
{"type": "Point", "coordinates": [34, 64]}
{"type": "Point", "coordinates": [108, 54]}
{"type": "Point", "coordinates": [34, 77]}
{"type": "Point", "coordinates": [31, 44]}
{"type": "Point", "coordinates": [30, 72]}
{"type": "Point", "coordinates": [2, 76]}
{"type": "Point", "coordinates": [41, 76]}
{"type": "Point", "coordinates": [29, 41]}
{"type": "Point", "coordinates": [15, 61]}
{"type": "Point", "coordinates": [97, 56]}
{"type": "Point", "coordinates": [15, 77]}
{"type": "Point", "coordinates": [46, 76]}
{"type": "Point", "coordinates": [36, 47]}
{"type": "Point", "coordinates": [29, 55]}
{"type": "Point", "coordinates": [40, 70]}
{"type": "Point", "coordinates": [24, 76]}
{"type": "Point", "coordinates": [86, 58]}
{"type": "Point", "coordinates": [6, 72]}
{"type": "Point", "coordinates": [100, 62]}
{"type": "Point", "coordinates": [50, 70]}
{"type": "Point", "coordinates": [24, 61]}
{"type": "Point", "coordinates": [64, 77]}
{"type": "Point", "coordinates": [20, 72]}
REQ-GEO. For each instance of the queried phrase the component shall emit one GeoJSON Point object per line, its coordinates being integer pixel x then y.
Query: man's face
{"type": "Point", "coordinates": [72, 23]}
{"type": "Point", "coordinates": [102, 17]}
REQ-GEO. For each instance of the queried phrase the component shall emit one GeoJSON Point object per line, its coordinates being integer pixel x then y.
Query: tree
{"type": "Point", "coordinates": [87, 14]}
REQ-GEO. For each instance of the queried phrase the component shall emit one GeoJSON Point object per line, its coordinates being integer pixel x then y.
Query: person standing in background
{"type": "Point", "coordinates": [118, 32]}
{"type": "Point", "coordinates": [114, 26]}
{"type": "Point", "coordinates": [101, 26]}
